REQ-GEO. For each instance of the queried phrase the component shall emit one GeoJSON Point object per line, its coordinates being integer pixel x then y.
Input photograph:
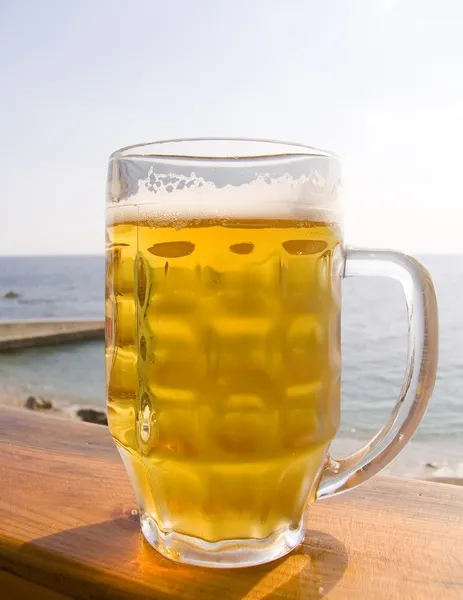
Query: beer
{"type": "Point", "coordinates": [223, 367]}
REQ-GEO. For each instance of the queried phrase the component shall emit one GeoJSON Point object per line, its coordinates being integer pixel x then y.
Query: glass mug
{"type": "Point", "coordinates": [223, 274]}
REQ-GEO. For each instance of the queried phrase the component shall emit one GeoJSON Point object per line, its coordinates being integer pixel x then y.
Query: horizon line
{"type": "Point", "coordinates": [102, 254]}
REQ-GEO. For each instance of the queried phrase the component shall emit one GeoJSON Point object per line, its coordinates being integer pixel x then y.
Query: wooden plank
{"type": "Point", "coordinates": [66, 524]}
{"type": "Point", "coordinates": [25, 334]}
{"type": "Point", "coordinates": [16, 588]}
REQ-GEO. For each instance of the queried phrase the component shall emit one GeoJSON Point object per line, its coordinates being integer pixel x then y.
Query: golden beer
{"type": "Point", "coordinates": [223, 368]}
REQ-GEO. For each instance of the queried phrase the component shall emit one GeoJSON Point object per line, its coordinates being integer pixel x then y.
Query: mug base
{"type": "Point", "coordinates": [225, 554]}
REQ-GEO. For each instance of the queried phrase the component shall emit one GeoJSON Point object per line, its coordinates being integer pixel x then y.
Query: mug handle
{"type": "Point", "coordinates": [342, 475]}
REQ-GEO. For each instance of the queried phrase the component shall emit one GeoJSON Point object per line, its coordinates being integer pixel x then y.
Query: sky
{"type": "Point", "coordinates": [380, 82]}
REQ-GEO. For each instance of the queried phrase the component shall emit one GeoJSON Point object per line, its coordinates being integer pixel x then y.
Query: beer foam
{"type": "Point", "coordinates": [138, 190]}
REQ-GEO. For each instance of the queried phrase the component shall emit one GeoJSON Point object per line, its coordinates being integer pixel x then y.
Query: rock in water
{"type": "Point", "coordinates": [432, 465]}
{"type": "Point", "coordinates": [12, 294]}
{"type": "Point", "coordinates": [38, 403]}
{"type": "Point", "coordinates": [92, 415]}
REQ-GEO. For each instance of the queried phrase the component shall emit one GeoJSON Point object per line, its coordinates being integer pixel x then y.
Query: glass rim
{"type": "Point", "coordinates": [280, 149]}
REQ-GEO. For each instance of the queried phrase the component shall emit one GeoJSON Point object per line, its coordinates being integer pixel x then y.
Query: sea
{"type": "Point", "coordinates": [374, 340]}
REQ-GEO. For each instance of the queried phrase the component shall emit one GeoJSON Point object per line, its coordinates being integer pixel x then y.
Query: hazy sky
{"type": "Point", "coordinates": [378, 81]}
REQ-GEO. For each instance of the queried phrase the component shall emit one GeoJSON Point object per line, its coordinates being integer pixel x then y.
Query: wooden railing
{"type": "Point", "coordinates": [68, 529]}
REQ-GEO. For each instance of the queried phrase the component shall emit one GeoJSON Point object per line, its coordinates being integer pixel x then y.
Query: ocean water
{"type": "Point", "coordinates": [374, 337]}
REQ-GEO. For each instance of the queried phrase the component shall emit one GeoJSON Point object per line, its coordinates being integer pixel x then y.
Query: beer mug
{"type": "Point", "coordinates": [224, 263]}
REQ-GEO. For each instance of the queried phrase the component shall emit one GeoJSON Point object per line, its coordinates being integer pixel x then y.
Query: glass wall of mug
{"type": "Point", "coordinates": [223, 338]}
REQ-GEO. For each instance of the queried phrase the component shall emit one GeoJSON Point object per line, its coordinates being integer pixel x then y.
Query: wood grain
{"type": "Point", "coordinates": [12, 586]}
{"type": "Point", "coordinates": [66, 525]}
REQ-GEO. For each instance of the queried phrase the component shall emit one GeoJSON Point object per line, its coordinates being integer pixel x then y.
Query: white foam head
{"type": "Point", "coordinates": [171, 188]}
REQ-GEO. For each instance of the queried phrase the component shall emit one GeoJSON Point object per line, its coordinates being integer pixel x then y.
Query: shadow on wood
{"type": "Point", "coordinates": [310, 572]}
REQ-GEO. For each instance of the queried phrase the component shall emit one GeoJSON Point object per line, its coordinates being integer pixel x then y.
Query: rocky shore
{"type": "Point", "coordinates": [16, 335]}
{"type": "Point", "coordinates": [60, 407]}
